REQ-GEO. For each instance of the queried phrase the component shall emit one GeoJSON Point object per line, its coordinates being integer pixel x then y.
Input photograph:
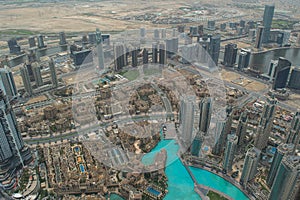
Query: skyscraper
{"type": "Point", "coordinates": [26, 80]}
{"type": "Point", "coordinates": [162, 54]}
{"type": "Point", "coordinates": [62, 38]}
{"type": "Point", "coordinates": [7, 83]}
{"type": "Point", "coordinates": [250, 165]}
{"type": "Point", "coordinates": [229, 152]}
{"type": "Point", "coordinates": [284, 185]}
{"type": "Point", "coordinates": [119, 56]}
{"type": "Point", "coordinates": [230, 55]}
{"type": "Point", "coordinates": [267, 21]}
{"type": "Point", "coordinates": [36, 68]}
{"type": "Point", "coordinates": [145, 56]}
{"type": "Point", "coordinates": [266, 123]}
{"type": "Point", "coordinates": [13, 46]}
{"type": "Point", "coordinates": [294, 134]}
{"type": "Point", "coordinates": [100, 53]}
{"type": "Point", "coordinates": [241, 129]}
{"type": "Point", "coordinates": [154, 53]}
{"type": "Point", "coordinates": [186, 118]}
{"type": "Point", "coordinates": [214, 48]}
{"type": "Point", "coordinates": [205, 107]}
{"type": "Point", "coordinates": [197, 144]}
{"type": "Point", "coordinates": [244, 59]}
{"type": "Point", "coordinates": [220, 137]}
{"type": "Point", "coordinates": [31, 42]}
{"type": "Point", "coordinates": [13, 153]}
{"type": "Point", "coordinates": [282, 73]}
{"type": "Point", "coordinates": [134, 55]}
{"type": "Point", "coordinates": [53, 73]}
{"type": "Point", "coordinates": [40, 39]}
{"type": "Point", "coordinates": [281, 151]}
{"type": "Point", "coordinates": [259, 36]}
{"type": "Point", "coordinates": [294, 81]}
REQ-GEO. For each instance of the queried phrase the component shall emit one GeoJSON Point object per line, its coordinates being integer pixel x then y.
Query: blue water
{"type": "Point", "coordinates": [114, 196]}
{"type": "Point", "coordinates": [180, 184]}
{"type": "Point", "coordinates": [81, 168]}
{"type": "Point", "coordinates": [153, 191]}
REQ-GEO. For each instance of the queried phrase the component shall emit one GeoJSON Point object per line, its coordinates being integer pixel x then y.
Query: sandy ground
{"type": "Point", "coordinates": [294, 100]}
{"type": "Point", "coordinates": [247, 83]}
{"type": "Point", "coordinates": [37, 99]}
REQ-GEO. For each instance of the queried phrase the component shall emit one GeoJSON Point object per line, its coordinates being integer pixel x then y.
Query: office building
{"type": "Point", "coordinates": [241, 129]}
{"type": "Point", "coordinates": [7, 83]}
{"type": "Point", "coordinates": [194, 32]}
{"type": "Point", "coordinates": [145, 56]}
{"type": "Point", "coordinates": [186, 119]}
{"type": "Point", "coordinates": [84, 40]}
{"type": "Point", "coordinates": [100, 53]}
{"type": "Point", "coordinates": [282, 73]}
{"type": "Point", "coordinates": [259, 37]}
{"type": "Point", "coordinates": [294, 133]}
{"type": "Point", "coordinates": [156, 34]}
{"type": "Point", "coordinates": [162, 54]}
{"type": "Point", "coordinates": [13, 153]}
{"type": "Point", "coordinates": [214, 48]}
{"type": "Point", "coordinates": [242, 23]}
{"type": "Point", "coordinates": [205, 107]}
{"type": "Point", "coordinates": [171, 46]}
{"type": "Point", "coordinates": [82, 57]}
{"type": "Point", "coordinates": [223, 26]}
{"type": "Point", "coordinates": [220, 137]}
{"type": "Point", "coordinates": [26, 80]}
{"type": "Point", "coordinates": [230, 55]}
{"type": "Point", "coordinates": [40, 39]}
{"type": "Point", "coordinates": [267, 22]}
{"type": "Point", "coordinates": [92, 38]}
{"type": "Point", "coordinates": [163, 33]}
{"type": "Point", "coordinates": [142, 32]}
{"type": "Point", "coordinates": [36, 68]}
{"type": "Point", "coordinates": [211, 25]}
{"type": "Point", "coordinates": [266, 123]}
{"type": "Point", "coordinates": [244, 59]}
{"type": "Point", "coordinates": [31, 42]}
{"type": "Point", "coordinates": [13, 46]}
{"type": "Point", "coordinates": [154, 53]}
{"type": "Point", "coordinates": [180, 28]}
{"type": "Point", "coordinates": [52, 69]}
{"type": "Point", "coordinates": [120, 56]}
{"type": "Point", "coordinates": [250, 165]}
{"type": "Point", "coordinates": [281, 151]}
{"type": "Point", "coordinates": [197, 144]}
{"type": "Point", "coordinates": [272, 69]}
{"type": "Point", "coordinates": [134, 56]}
{"type": "Point", "coordinates": [294, 82]}
{"type": "Point", "coordinates": [62, 38]}
{"type": "Point", "coordinates": [284, 186]}
{"type": "Point", "coordinates": [232, 140]}
{"type": "Point", "coordinates": [200, 30]}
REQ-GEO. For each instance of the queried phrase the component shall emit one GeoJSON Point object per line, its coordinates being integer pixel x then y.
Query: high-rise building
{"type": "Point", "coordinates": [205, 107]}
{"type": "Point", "coordinates": [120, 61]}
{"type": "Point", "coordinates": [186, 118]}
{"type": "Point", "coordinates": [223, 26]}
{"type": "Point", "coordinates": [13, 46]}
{"type": "Point", "coordinates": [92, 38]}
{"type": "Point", "coordinates": [259, 37]}
{"type": "Point", "coordinates": [266, 123]}
{"type": "Point", "coordinates": [214, 48]}
{"type": "Point", "coordinates": [267, 21]}
{"type": "Point", "coordinates": [100, 53]}
{"type": "Point", "coordinates": [82, 57]}
{"type": "Point", "coordinates": [40, 39]}
{"type": "Point", "coordinates": [211, 24]}
{"type": "Point", "coordinates": [294, 82]}
{"type": "Point", "coordinates": [156, 34]}
{"type": "Point", "coordinates": [229, 152]}
{"type": "Point", "coordinates": [282, 73]}
{"type": "Point", "coordinates": [134, 56]}
{"type": "Point", "coordinates": [250, 165]}
{"type": "Point", "coordinates": [281, 151]}
{"type": "Point", "coordinates": [52, 69]}
{"type": "Point", "coordinates": [26, 80]}
{"type": "Point", "coordinates": [36, 68]}
{"type": "Point", "coordinates": [197, 144]}
{"type": "Point", "coordinates": [284, 185]}
{"type": "Point", "coordinates": [7, 83]}
{"type": "Point", "coordinates": [62, 38]}
{"type": "Point", "coordinates": [294, 134]}
{"type": "Point", "coordinates": [244, 59]}
{"type": "Point", "coordinates": [31, 42]}
{"type": "Point", "coordinates": [220, 137]}
{"type": "Point", "coordinates": [145, 56]}
{"type": "Point", "coordinates": [154, 53]}
{"type": "Point", "coordinates": [162, 54]}
{"type": "Point", "coordinates": [13, 153]}
{"type": "Point", "coordinates": [241, 129]}
{"type": "Point", "coordinates": [230, 55]}
{"type": "Point", "coordinates": [272, 69]}
{"type": "Point", "coordinates": [171, 46]}
{"type": "Point", "coordinates": [180, 28]}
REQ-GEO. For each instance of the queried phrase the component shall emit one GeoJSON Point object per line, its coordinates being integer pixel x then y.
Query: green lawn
{"type": "Point", "coordinates": [283, 24]}
{"type": "Point", "coordinates": [17, 32]}
{"type": "Point", "coordinates": [215, 196]}
{"type": "Point", "coordinates": [131, 74]}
